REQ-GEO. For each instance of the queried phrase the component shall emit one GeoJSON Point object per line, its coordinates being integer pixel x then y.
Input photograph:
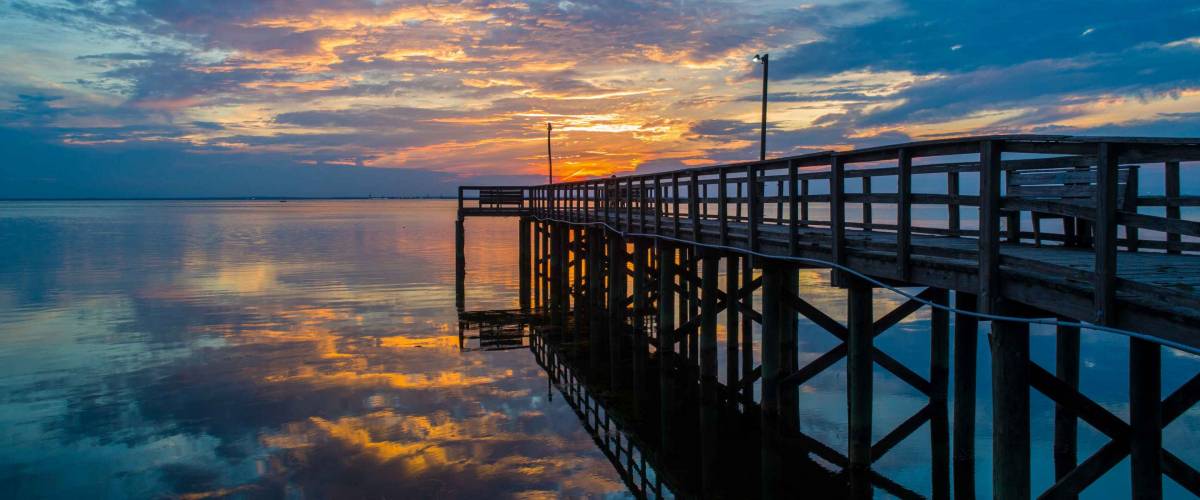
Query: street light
{"type": "Point", "coordinates": [549, 155]}
{"type": "Point", "coordinates": [764, 60]}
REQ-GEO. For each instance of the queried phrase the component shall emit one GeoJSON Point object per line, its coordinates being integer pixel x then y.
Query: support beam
{"type": "Point", "coordinates": [1010, 414]}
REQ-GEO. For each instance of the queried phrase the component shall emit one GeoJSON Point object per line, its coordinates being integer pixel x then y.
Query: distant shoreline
{"type": "Point", "coordinates": [243, 198]}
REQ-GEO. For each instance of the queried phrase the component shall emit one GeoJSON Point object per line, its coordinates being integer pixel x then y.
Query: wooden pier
{"type": "Point", "coordinates": [1017, 229]}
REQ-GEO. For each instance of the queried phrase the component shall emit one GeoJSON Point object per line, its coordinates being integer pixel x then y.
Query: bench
{"type": "Point", "coordinates": [1065, 193]}
{"type": "Point", "coordinates": [500, 198]}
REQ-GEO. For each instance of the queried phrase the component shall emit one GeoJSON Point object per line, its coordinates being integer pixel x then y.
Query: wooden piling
{"type": "Point", "coordinates": [939, 380]}
{"type": "Point", "coordinates": [1066, 367]}
{"type": "Point", "coordinates": [640, 340]}
{"type": "Point", "coordinates": [772, 291]}
{"type": "Point", "coordinates": [666, 338]}
{"type": "Point", "coordinates": [616, 308]}
{"type": "Point", "coordinates": [1145, 419]}
{"type": "Point", "coordinates": [732, 374]}
{"type": "Point", "coordinates": [747, 343]}
{"type": "Point", "coordinates": [597, 332]}
{"type": "Point", "coordinates": [966, 345]}
{"type": "Point", "coordinates": [460, 264]}
{"type": "Point", "coordinates": [859, 372]}
{"type": "Point", "coordinates": [709, 437]}
{"type": "Point", "coordinates": [789, 348]}
{"type": "Point", "coordinates": [563, 262]}
{"type": "Point", "coordinates": [524, 262]}
{"type": "Point", "coordinates": [1010, 408]}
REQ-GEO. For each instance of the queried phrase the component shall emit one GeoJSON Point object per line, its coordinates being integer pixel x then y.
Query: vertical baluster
{"type": "Point", "coordinates": [722, 209]}
{"type": "Point", "coordinates": [837, 214]}
{"type": "Point", "coordinates": [989, 225]}
{"type": "Point", "coordinates": [1171, 178]}
{"type": "Point", "coordinates": [793, 209]}
{"type": "Point", "coordinates": [1106, 233]}
{"type": "Point", "coordinates": [904, 214]}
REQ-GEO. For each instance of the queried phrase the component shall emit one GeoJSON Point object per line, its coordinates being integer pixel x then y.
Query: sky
{"type": "Point", "coordinates": [156, 98]}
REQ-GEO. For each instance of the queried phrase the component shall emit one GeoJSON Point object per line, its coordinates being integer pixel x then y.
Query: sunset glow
{"type": "Point", "coordinates": [462, 91]}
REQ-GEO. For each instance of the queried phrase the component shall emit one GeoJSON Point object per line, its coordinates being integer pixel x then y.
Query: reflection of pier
{"type": "Point", "coordinates": [494, 330]}
{"type": "Point", "coordinates": [631, 266]}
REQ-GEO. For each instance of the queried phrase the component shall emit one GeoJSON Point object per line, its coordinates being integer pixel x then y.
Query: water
{"type": "Point", "coordinates": [301, 349]}
{"type": "Point", "coordinates": [310, 349]}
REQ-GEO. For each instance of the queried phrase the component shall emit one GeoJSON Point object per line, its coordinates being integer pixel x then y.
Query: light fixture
{"type": "Point", "coordinates": [758, 58]}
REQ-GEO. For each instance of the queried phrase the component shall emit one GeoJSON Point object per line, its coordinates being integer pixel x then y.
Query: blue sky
{"type": "Point", "coordinates": [344, 97]}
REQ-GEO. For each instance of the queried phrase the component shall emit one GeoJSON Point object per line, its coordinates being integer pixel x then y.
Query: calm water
{"type": "Point", "coordinates": [309, 350]}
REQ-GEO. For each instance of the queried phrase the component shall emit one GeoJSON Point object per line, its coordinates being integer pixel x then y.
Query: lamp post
{"type": "Point", "coordinates": [549, 155]}
{"type": "Point", "coordinates": [763, 59]}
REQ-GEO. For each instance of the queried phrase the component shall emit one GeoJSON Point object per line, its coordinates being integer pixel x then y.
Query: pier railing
{"type": "Point", "coordinates": [832, 205]}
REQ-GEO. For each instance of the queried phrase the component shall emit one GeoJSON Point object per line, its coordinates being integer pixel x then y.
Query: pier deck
{"type": "Point", "coordinates": [1081, 230]}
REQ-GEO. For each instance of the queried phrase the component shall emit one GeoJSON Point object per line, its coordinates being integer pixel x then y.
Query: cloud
{"type": "Point", "coordinates": [464, 89]}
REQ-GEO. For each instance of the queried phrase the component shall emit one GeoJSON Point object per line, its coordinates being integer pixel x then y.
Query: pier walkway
{"type": "Point", "coordinates": [1079, 232]}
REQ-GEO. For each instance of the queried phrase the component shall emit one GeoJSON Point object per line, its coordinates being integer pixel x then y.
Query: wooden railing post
{"type": "Point", "coordinates": [694, 206]}
{"type": "Point", "coordinates": [989, 225]}
{"type": "Point", "coordinates": [753, 210]}
{"type": "Point", "coordinates": [675, 203]}
{"type": "Point", "coordinates": [642, 204]}
{"type": "Point", "coordinates": [804, 202]}
{"type": "Point", "coordinates": [837, 214]}
{"type": "Point", "coordinates": [867, 216]}
{"type": "Point", "coordinates": [628, 204]}
{"type": "Point", "coordinates": [793, 209]}
{"type": "Point", "coordinates": [904, 213]}
{"type": "Point", "coordinates": [659, 206]}
{"type": "Point", "coordinates": [954, 215]}
{"type": "Point", "coordinates": [1106, 233]}
{"type": "Point", "coordinates": [722, 209]}
{"type": "Point", "coordinates": [1171, 178]}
